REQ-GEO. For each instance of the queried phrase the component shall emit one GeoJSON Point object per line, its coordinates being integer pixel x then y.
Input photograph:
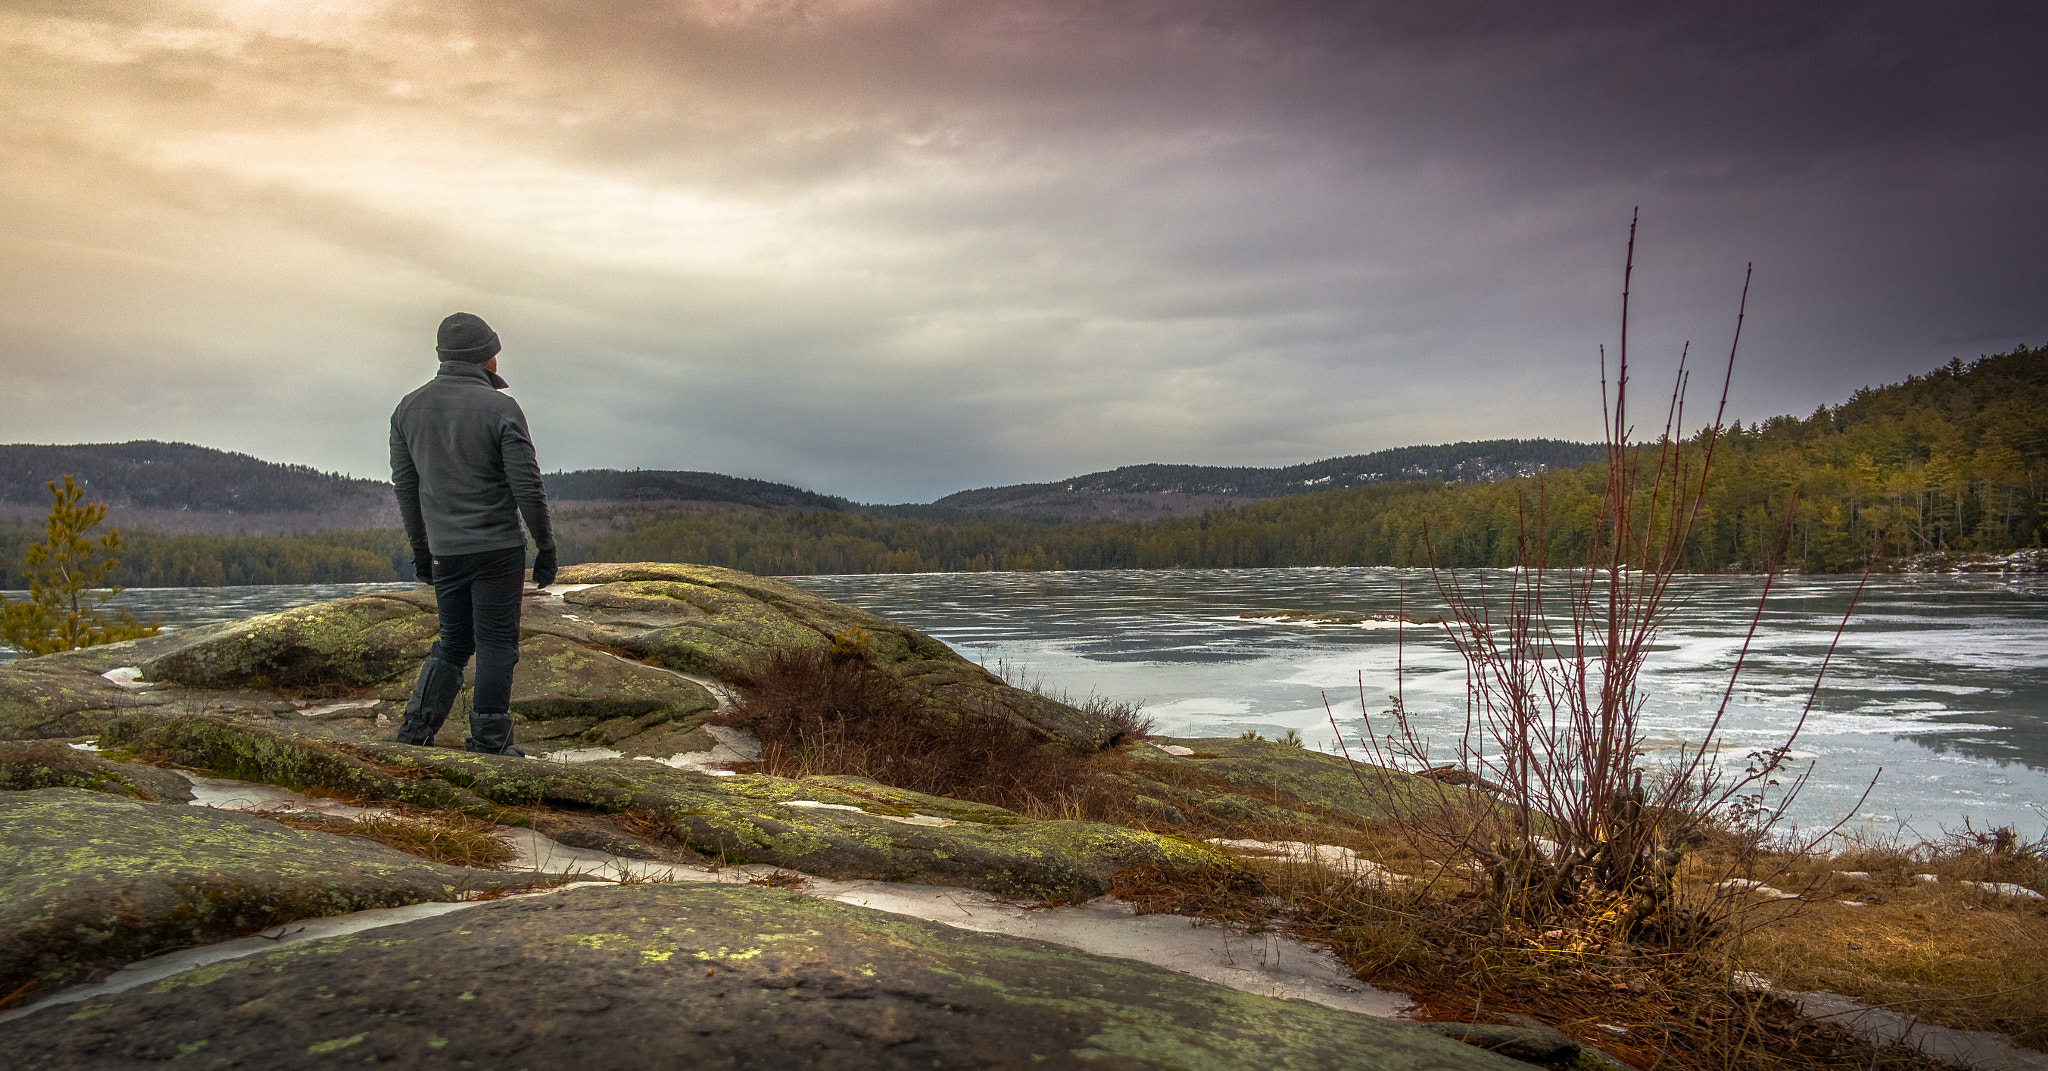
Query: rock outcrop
{"type": "Point", "coordinates": [627, 657]}
{"type": "Point", "coordinates": [837, 827]}
{"type": "Point", "coordinates": [622, 670]}
{"type": "Point", "coordinates": [95, 880]}
{"type": "Point", "coordinates": [707, 976]}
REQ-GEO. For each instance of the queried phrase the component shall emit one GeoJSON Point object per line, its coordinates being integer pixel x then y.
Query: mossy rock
{"type": "Point", "coordinates": [569, 695]}
{"type": "Point", "coordinates": [561, 679]}
{"type": "Point", "coordinates": [244, 752]}
{"type": "Point", "coordinates": [857, 833]}
{"type": "Point", "coordinates": [682, 618]}
{"type": "Point", "coordinates": [349, 643]}
{"type": "Point", "coordinates": [33, 764]}
{"type": "Point", "coordinates": [1232, 807]}
{"type": "Point", "coordinates": [90, 880]}
{"type": "Point", "coordinates": [908, 802]}
{"type": "Point", "coordinates": [63, 695]}
{"type": "Point", "coordinates": [709, 976]}
{"type": "Point", "coordinates": [706, 620]}
{"type": "Point", "coordinates": [1324, 781]}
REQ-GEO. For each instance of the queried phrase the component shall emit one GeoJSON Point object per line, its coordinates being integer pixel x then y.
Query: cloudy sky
{"type": "Point", "coordinates": [896, 248]}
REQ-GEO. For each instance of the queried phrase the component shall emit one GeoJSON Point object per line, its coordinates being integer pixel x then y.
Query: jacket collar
{"type": "Point", "coordinates": [466, 370]}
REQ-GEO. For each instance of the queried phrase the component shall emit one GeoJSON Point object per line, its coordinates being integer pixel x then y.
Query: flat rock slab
{"type": "Point", "coordinates": [92, 880]}
{"type": "Point", "coordinates": [837, 827]}
{"type": "Point", "coordinates": [696, 976]}
{"type": "Point", "coordinates": [1330, 782]}
{"type": "Point", "coordinates": [27, 764]}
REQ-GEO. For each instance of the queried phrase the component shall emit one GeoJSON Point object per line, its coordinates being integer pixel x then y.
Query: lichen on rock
{"type": "Point", "coordinates": [90, 879]}
{"type": "Point", "coordinates": [712, 976]}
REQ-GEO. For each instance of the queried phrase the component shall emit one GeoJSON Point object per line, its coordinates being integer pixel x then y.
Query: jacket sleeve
{"type": "Point", "coordinates": [405, 480]}
{"type": "Point", "coordinates": [522, 471]}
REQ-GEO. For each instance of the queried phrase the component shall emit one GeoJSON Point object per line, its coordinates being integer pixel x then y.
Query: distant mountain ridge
{"type": "Point", "coordinates": [663, 485]}
{"type": "Point", "coordinates": [181, 487]}
{"type": "Point", "coordinates": [175, 476]}
{"type": "Point", "coordinates": [1151, 490]}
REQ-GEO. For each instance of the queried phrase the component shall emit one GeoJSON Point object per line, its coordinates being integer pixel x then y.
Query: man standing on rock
{"type": "Point", "coordinates": [463, 465]}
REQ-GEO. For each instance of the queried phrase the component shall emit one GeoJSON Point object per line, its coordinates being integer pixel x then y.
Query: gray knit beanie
{"type": "Point", "coordinates": [466, 337]}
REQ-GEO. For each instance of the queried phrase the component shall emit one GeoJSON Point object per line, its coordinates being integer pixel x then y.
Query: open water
{"type": "Point", "coordinates": [1940, 681]}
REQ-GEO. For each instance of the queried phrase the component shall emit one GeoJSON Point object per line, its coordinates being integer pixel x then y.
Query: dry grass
{"type": "Point", "coordinates": [1944, 951]}
{"type": "Point", "coordinates": [782, 879]}
{"type": "Point", "coordinates": [1950, 953]}
{"type": "Point", "coordinates": [1432, 938]}
{"type": "Point", "coordinates": [817, 712]}
{"type": "Point", "coordinates": [441, 836]}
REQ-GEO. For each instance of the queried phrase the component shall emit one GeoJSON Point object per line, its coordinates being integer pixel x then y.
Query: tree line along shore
{"type": "Point", "coordinates": [1952, 461]}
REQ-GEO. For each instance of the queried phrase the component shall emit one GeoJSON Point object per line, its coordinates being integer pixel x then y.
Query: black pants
{"type": "Point", "coordinates": [478, 599]}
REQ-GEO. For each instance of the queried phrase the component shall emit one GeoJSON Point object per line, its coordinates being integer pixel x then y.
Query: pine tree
{"type": "Point", "coordinates": [67, 575]}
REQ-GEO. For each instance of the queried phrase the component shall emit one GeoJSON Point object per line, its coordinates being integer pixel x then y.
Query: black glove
{"type": "Point", "coordinates": [544, 567]}
{"type": "Point", "coordinates": [423, 568]}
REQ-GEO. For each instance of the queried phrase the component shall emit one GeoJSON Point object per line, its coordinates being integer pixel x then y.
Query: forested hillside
{"type": "Point", "coordinates": [1954, 460]}
{"type": "Point", "coordinates": [660, 485]}
{"type": "Point", "coordinates": [160, 560]}
{"type": "Point", "coordinates": [176, 476]}
{"type": "Point", "coordinates": [1469, 462]}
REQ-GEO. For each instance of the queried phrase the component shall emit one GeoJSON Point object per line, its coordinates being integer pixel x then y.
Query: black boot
{"type": "Point", "coordinates": [491, 734]}
{"type": "Point", "coordinates": [440, 681]}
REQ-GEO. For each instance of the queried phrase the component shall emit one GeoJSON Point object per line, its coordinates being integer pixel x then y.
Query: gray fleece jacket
{"type": "Point", "coordinates": [463, 466]}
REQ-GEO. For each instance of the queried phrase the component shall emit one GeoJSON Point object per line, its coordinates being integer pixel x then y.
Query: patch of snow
{"type": "Point", "coordinates": [1928, 878]}
{"type": "Point", "coordinates": [130, 677]}
{"type": "Point", "coordinates": [226, 795]}
{"type": "Point", "coordinates": [582, 754]}
{"type": "Point", "coordinates": [734, 745]}
{"type": "Point", "coordinates": [1336, 857]}
{"type": "Point", "coordinates": [1757, 887]}
{"type": "Point", "coordinates": [913, 820]}
{"type": "Point", "coordinates": [1883, 1026]}
{"type": "Point", "coordinates": [1853, 875]}
{"type": "Point", "coordinates": [1270, 964]}
{"type": "Point", "coordinates": [2006, 888]}
{"type": "Point", "coordinates": [84, 747]}
{"type": "Point", "coordinates": [559, 590]}
{"type": "Point", "coordinates": [1175, 749]}
{"type": "Point", "coordinates": [324, 709]}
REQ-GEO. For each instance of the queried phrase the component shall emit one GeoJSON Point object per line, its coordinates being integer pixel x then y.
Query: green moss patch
{"type": "Point", "coordinates": [32, 764]}
{"type": "Point", "coordinates": [89, 880]}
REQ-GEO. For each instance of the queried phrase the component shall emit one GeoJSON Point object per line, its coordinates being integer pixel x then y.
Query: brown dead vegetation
{"type": "Point", "coordinates": [1432, 937]}
{"type": "Point", "coordinates": [440, 836]}
{"type": "Point", "coordinates": [820, 712]}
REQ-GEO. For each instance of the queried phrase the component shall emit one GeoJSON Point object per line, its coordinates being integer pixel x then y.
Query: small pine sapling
{"type": "Point", "coordinates": [67, 575]}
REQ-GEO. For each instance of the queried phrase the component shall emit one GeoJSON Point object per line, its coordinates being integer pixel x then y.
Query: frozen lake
{"type": "Point", "coordinates": [1940, 680]}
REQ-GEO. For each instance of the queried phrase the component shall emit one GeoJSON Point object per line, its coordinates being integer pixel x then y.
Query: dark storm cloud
{"type": "Point", "coordinates": [893, 249]}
